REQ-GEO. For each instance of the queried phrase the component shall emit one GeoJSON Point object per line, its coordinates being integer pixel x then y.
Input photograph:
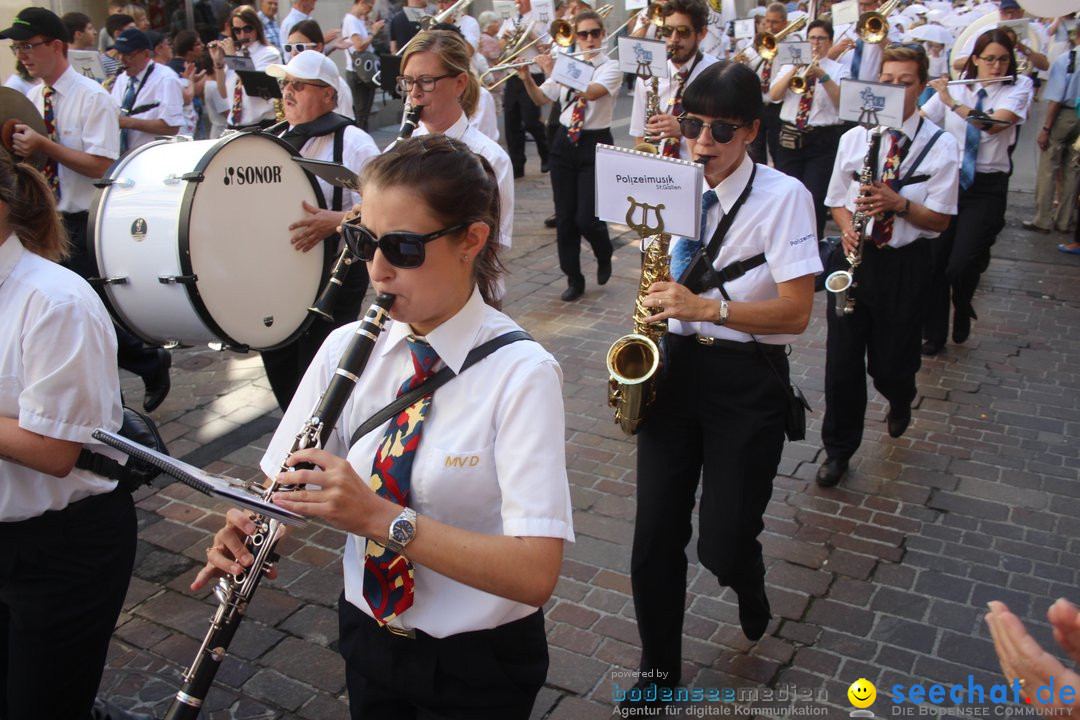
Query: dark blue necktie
{"type": "Point", "coordinates": [685, 250]}
{"type": "Point", "coordinates": [129, 100]}
{"type": "Point", "coordinates": [856, 62]}
{"type": "Point", "coordinates": [971, 147]}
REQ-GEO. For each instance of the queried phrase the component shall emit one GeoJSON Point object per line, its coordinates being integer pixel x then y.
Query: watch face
{"type": "Point", "coordinates": [402, 531]}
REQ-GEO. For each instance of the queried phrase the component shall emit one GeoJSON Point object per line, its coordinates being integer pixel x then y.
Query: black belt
{"type": "Point", "coordinates": [744, 348]}
{"type": "Point", "coordinates": [51, 522]}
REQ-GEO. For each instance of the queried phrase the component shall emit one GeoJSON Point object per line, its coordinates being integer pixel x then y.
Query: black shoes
{"type": "Point", "coordinates": [754, 611]}
{"type": "Point", "coordinates": [543, 166]}
{"type": "Point", "coordinates": [603, 271]}
{"type": "Point", "coordinates": [571, 293]}
{"type": "Point", "coordinates": [550, 222]}
{"type": "Point", "coordinates": [1028, 225]}
{"type": "Point", "coordinates": [930, 347]}
{"type": "Point", "coordinates": [158, 383]}
{"type": "Point", "coordinates": [961, 327]}
{"type": "Point", "coordinates": [831, 472]}
{"type": "Point", "coordinates": [898, 420]}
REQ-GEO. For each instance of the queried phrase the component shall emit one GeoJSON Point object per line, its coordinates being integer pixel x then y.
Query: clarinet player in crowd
{"type": "Point", "coordinates": [446, 564]}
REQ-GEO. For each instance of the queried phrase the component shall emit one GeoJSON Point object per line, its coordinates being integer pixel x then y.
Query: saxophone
{"type": "Point", "coordinates": [652, 108]}
{"type": "Point", "coordinates": [842, 282]}
{"type": "Point", "coordinates": [633, 359]}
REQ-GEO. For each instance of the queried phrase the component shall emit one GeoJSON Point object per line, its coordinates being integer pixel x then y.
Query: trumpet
{"type": "Point", "coordinates": [447, 15]}
{"type": "Point", "coordinates": [799, 83]}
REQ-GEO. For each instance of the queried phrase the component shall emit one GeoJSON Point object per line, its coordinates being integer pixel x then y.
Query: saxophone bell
{"type": "Point", "coordinates": [838, 283]}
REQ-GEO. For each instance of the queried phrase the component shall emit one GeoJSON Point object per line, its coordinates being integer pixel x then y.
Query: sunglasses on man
{"type": "Point", "coordinates": [683, 31]}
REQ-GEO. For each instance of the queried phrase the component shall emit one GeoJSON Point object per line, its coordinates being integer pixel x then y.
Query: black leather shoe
{"type": "Point", "coordinates": [572, 293]}
{"type": "Point", "coordinates": [931, 348]}
{"type": "Point", "coordinates": [898, 421]}
{"type": "Point", "coordinates": [831, 472]}
{"type": "Point", "coordinates": [603, 271]}
{"type": "Point", "coordinates": [550, 222]}
{"type": "Point", "coordinates": [961, 327]}
{"type": "Point", "coordinates": [754, 611]}
{"type": "Point", "coordinates": [1028, 225]}
{"type": "Point", "coordinates": [544, 167]}
{"type": "Point", "coordinates": [158, 384]}
{"type": "Point", "coordinates": [518, 174]}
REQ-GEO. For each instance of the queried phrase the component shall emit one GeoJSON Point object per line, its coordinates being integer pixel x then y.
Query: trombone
{"type": "Point", "coordinates": [426, 23]}
{"type": "Point", "coordinates": [765, 43]}
{"type": "Point", "coordinates": [873, 26]}
{"type": "Point", "coordinates": [561, 31]}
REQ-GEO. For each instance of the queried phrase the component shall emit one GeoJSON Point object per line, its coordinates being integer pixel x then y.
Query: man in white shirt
{"type": "Point", "coordinates": [309, 96]}
{"type": "Point", "coordinates": [767, 142]}
{"type": "Point", "coordinates": [300, 10]}
{"type": "Point", "coordinates": [883, 333]}
{"type": "Point", "coordinates": [83, 142]}
{"type": "Point", "coordinates": [148, 95]}
{"type": "Point", "coordinates": [684, 27]}
{"type": "Point", "coordinates": [864, 60]}
{"type": "Point", "coordinates": [268, 10]}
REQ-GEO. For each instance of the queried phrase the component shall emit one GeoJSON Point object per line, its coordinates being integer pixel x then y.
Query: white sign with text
{"type": "Point", "coordinates": [872, 103]}
{"type": "Point", "coordinates": [643, 57]}
{"type": "Point", "coordinates": [792, 53]}
{"type": "Point", "coordinates": [648, 192]}
{"type": "Point", "coordinates": [571, 72]}
{"type": "Point", "coordinates": [88, 63]}
{"type": "Point", "coordinates": [744, 28]}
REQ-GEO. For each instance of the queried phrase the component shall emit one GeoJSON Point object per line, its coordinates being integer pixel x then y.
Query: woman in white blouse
{"type": "Point", "coordinates": [478, 545]}
{"type": "Point", "coordinates": [962, 253]}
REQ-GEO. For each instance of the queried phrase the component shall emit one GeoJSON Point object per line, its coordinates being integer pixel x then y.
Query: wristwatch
{"type": "Point", "coordinates": [721, 316]}
{"type": "Point", "coordinates": [402, 531]}
{"type": "Point", "coordinates": [907, 208]}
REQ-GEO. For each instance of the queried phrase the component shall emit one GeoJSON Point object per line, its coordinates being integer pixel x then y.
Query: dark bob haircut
{"type": "Point", "coordinates": [726, 89]}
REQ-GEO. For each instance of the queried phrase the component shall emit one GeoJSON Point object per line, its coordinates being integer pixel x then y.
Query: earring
{"type": "Point", "coordinates": [465, 258]}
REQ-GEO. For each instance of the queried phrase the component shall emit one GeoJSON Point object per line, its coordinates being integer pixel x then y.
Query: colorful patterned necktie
{"type": "Point", "coordinates": [766, 75]}
{"type": "Point", "coordinates": [882, 232]}
{"type": "Point", "coordinates": [388, 576]}
{"type": "Point", "coordinates": [684, 251]}
{"type": "Point", "coordinates": [856, 61]}
{"type": "Point", "coordinates": [51, 170]}
{"type": "Point", "coordinates": [577, 119]}
{"type": "Point", "coordinates": [971, 146]}
{"type": "Point", "coordinates": [807, 99]}
{"type": "Point", "coordinates": [671, 148]}
{"type": "Point", "coordinates": [237, 102]}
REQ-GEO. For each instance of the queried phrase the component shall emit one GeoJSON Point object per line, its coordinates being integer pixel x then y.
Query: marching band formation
{"type": "Point", "coordinates": [123, 157]}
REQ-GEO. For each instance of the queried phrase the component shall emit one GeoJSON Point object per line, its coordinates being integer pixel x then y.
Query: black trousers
{"type": "Point", "coordinates": [573, 173]}
{"type": "Point", "coordinates": [768, 134]}
{"type": "Point", "coordinates": [63, 577]}
{"type": "Point", "coordinates": [285, 366]}
{"type": "Point", "coordinates": [487, 674]}
{"type": "Point", "coordinates": [812, 165]}
{"type": "Point", "coordinates": [131, 353]}
{"type": "Point", "coordinates": [962, 253]}
{"type": "Point", "coordinates": [363, 95]}
{"type": "Point", "coordinates": [882, 336]}
{"type": "Point", "coordinates": [719, 416]}
{"type": "Point", "coordinates": [520, 116]}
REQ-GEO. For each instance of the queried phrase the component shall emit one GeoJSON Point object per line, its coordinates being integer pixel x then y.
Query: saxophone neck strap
{"type": "Point", "coordinates": [436, 381]}
{"type": "Point", "coordinates": [700, 275]}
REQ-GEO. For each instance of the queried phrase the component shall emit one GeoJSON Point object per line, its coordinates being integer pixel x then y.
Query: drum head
{"type": "Point", "coordinates": [234, 236]}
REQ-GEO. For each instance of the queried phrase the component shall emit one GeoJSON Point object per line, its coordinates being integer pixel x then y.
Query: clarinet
{"type": "Point", "coordinates": [324, 304]}
{"type": "Point", "coordinates": [234, 592]}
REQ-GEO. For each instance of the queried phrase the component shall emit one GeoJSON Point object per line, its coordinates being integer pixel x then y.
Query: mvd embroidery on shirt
{"type": "Point", "coordinates": [462, 461]}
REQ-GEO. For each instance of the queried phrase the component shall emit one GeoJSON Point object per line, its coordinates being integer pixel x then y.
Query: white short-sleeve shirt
{"type": "Point", "coordinates": [58, 376]}
{"type": "Point", "coordinates": [352, 25]}
{"type": "Point", "coordinates": [666, 91]}
{"type": "Point", "coordinates": [481, 464]}
{"type": "Point", "coordinates": [823, 110]}
{"type": "Point", "coordinates": [941, 166]}
{"type": "Point", "coordinates": [484, 118]}
{"type": "Point", "coordinates": [777, 219]}
{"type": "Point", "coordinates": [357, 149]}
{"type": "Point", "coordinates": [253, 109]}
{"type": "Point", "coordinates": [598, 113]}
{"type": "Point", "coordinates": [87, 121]}
{"type": "Point", "coordinates": [155, 84]}
{"type": "Point", "coordinates": [993, 155]}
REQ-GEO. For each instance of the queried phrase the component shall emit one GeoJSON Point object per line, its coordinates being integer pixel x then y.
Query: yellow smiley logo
{"type": "Point", "coordinates": [862, 693]}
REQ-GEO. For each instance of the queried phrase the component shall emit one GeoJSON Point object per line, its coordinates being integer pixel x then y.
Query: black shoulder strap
{"type": "Point", "coordinates": [908, 179]}
{"type": "Point", "coordinates": [700, 275]}
{"type": "Point", "coordinates": [339, 153]}
{"type": "Point", "coordinates": [436, 381]}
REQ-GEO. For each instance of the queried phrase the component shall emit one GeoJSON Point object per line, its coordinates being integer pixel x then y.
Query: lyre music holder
{"type": "Point", "coordinates": [643, 228]}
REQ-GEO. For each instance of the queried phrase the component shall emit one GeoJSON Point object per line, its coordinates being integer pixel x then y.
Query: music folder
{"type": "Point", "coordinates": [334, 173]}
{"type": "Point", "coordinates": [231, 489]}
{"type": "Point", "coordinates": [259, 84]}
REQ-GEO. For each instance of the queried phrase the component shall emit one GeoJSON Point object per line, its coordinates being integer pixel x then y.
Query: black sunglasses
{"type": "Point", "coordinates": [401, 249]}
{"type": "Point", "coordinates": [666, 31]}
{"type": "Point", "coordinates": [594, 33]}
{"type": "Point", "coordinates": [907, 46]}
{"type": "Point", "coordinates": [721, 132]}
{"type": "Point", "coordinates": [242, 29]}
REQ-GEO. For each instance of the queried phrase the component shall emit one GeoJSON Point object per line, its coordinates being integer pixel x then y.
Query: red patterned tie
{"type": "Point", "coordinates": [577, 119]}
{"type": "Point", "coordinates": [882, 232]}
{"type": "Point", "coordinates": [671, 147]}
{"type": "Point", "coordinates": [766, 75]}
{"type": "Point", "coordinates": [237, 102]}
{"type": "Point", "coordinates": [388, 576]}
{"type": "Point", "coordinates": [807, 99]}
{"type": "Point", "coordinates": [50, 170]}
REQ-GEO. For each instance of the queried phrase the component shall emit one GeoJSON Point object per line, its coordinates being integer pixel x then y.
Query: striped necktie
{"type": "Point", "coordinates": [388, 576]}
{"type": "Point", "coordinates": [684, 251]}
{"type": "Point", "coordinates": [971, 146]}
{"type": "Point", "coordinates": [856, 61]}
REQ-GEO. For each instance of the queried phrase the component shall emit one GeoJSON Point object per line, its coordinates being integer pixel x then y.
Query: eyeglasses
{"type": "Point", "coordinates": [817, 38]}
{"type": "Point", "coordinates": [721, 132]}
{"type": "Point", "coordinates": [242, 29]}
{"type": "Point", "coordinates": [298, 48]}
{"type": "Point", "coordinates": [907, 46]}
{"type": "Point", "coordinates": [401, 249]}
{"type": "Point", "coordinates": [683, 31]}
{"type": "Point", "coordinates": [426, 83]}
{"type": "Point", "coordinates": [298, 85]}
{"type": "Point", "coordinates": [992, 60]}
{"type": "Point", "coordinates": [595, 33]}
{"type": "Point", "coordinates": [27, 47]}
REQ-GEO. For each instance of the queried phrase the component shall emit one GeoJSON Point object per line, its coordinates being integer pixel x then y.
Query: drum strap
{"type": "Point", "coordinates": [339, 153]}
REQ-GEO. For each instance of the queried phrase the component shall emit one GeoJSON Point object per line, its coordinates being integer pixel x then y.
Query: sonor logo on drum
{"type": "Point", "coordinates": [138, 230]}
{"type": "Point", "coordinates": [252, 174]}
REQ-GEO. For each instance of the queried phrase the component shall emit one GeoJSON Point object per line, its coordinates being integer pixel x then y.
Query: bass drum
{"type": "Point", "coordinates": [191, 241]}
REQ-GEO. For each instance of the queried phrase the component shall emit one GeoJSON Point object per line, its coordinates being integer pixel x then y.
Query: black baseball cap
{"type": "Point", "coordinates": [33, 21]}
{"type": "Point", "coordinates": [131, 40]}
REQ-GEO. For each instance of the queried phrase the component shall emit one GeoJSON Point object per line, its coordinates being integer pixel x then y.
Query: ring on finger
{"type": "Point", "coordinates": [212, 548]}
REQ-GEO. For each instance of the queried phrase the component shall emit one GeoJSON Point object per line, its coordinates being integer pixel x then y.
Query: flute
{"type": "Point", "coordinates": [985, 81]}
{"type": "Point", "coordinates": [234, 592]}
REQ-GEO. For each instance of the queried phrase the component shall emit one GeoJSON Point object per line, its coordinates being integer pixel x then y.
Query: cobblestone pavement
{"type": "Point", "coordinates": [884, 578]}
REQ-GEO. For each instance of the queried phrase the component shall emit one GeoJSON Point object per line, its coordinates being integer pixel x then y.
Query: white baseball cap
{"type": "Point", "coordinates": [308, 65]}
